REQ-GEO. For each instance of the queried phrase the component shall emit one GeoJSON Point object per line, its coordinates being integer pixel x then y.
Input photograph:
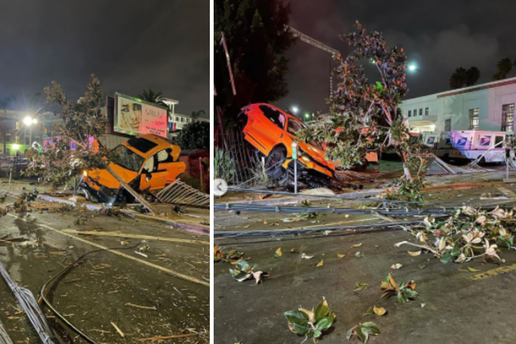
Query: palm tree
{"type": "Point", "coordinates": [472, 76]}
{"type": "Point", "coordinates": [458, 78]}
{"type": "Point", "coordinates": [151, 96]}
{"type": "Point", "coordinates": [196, 114]}
{"type": "Point", "coordinates": [504, 69]}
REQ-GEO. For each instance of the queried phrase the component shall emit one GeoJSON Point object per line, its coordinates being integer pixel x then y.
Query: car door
{"type": "Point", "coordinates": [268, 128]}
{"type": "Point", "coordinates": [153, 177]}
{"type": "Point", "coordinates": [168, 161]}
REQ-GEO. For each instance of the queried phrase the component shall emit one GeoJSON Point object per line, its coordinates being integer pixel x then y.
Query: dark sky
{"type": "Point", "coordinates": [130, 45]}
{"type": "Point", "coordinates": [437, 35]}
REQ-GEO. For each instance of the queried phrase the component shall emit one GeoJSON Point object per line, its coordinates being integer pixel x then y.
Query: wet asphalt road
{"type": "Point", "coordinates": [143, 300]}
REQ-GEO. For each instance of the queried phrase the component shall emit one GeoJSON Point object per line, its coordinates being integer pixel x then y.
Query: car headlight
{"type": "Point", "coordinates": [306, 158]}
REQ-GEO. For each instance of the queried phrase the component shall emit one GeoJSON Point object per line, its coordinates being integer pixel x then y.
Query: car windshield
{"type": "Point", "coordinates": [294, 126]}
{"type": "Point", "coordinates": [128, 159]}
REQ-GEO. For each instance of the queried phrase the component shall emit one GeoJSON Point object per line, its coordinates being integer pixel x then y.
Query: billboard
{"type": "Point", "coordinates": [134, 116]}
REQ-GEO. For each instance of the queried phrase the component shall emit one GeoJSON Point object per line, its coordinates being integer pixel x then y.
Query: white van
{"type": "Point", "coordinates": [468, 145]}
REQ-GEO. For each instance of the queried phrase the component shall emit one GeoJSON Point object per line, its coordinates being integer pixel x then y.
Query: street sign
{"type": "Point", "coordinates": [294, 150]}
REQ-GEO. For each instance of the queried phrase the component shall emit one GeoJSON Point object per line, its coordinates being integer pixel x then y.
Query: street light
{"type": "Point", "coordinates": [295, 109]}
{"type": "Point", "coordinates": [307, 115]}
{"type": "Point", "coordinates": [15, 146]}
{"type": "Point", "coordinates": [29, 121]}
{"type": "Point", "coordinates": [412, 67]}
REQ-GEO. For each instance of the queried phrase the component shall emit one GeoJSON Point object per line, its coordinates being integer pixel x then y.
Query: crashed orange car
{"type": "Point", "coordinates": [146, 162]}
{"type": "Point", "coordinates": [272, 131]}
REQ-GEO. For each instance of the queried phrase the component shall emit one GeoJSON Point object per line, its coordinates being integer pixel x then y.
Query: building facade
{"type": "Point", "coordinates": [178, 121]}
{"type": "Point", "coordinates": [488, 106]}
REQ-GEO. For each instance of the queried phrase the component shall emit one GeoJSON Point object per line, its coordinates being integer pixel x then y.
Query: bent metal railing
{"type": "Point", "coordinates": [183, 194]}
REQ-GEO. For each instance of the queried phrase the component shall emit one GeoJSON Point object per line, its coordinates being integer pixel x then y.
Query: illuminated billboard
{"type": "Point", "coordinates": [134, 116]}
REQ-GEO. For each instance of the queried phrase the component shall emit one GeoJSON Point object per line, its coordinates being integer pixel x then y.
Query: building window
{"type": "Point", "coordinates": [420, 112]}
{"type": "Point", "coordinates": [508, 117]}
{"type": "Point", "coordinates": [414, 113]}
{"type": "Point", "coordinates": [409, 113]}
{"type": "Point", "coordinates": [447, 125]}
{"type": "Point", "coordinates": [473, 118]}
{"type": "Point", "coordinates": [427, 111]}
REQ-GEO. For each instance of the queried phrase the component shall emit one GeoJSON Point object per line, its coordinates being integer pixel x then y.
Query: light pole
{"type": "Point", "coordinates": [29, 121]}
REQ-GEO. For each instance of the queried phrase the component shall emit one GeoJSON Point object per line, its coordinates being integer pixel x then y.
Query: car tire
{"type": "Point", "coordinates": [273, 163]}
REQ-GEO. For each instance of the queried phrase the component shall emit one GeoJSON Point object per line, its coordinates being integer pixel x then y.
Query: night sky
{"type": "Point", "coordinates": [437, 35]}
{"type": "Point", "coordinates": [130, 45]}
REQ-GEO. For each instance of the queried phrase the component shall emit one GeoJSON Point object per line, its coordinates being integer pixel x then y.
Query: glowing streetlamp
{"type": "Point", "coordinates": [16, 146]}
{"type": "Point", "coordinates": [412, 67]}
{"type": "Point", "coordinates": [295, 109]}
{"type": "Point", "coordinates": [29, 121]}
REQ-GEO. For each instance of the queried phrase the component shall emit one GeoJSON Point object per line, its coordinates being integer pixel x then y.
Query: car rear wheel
{"type": "Point", "coordinates": [273, 163]}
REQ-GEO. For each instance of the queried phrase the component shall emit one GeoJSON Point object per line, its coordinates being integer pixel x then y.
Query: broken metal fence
{"type": "Point", "coordinates": [436, 166]}
{"type": "Point", "coordinates": [183, 194]}
{"type": "Point", "coordinates": [246, 163]}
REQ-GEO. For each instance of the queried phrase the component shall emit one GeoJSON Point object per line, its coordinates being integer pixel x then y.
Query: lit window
{"type": "Point", "coordinates": [508, 117]}
{"type": "Point", "coordinates": [473, 118]}
{"type": "Point", "coordinates": [447, 125]}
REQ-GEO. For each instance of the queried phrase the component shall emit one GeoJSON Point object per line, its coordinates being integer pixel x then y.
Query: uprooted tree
{"type": "Point", "coordinates": [72, 150]}
{"type": "Point", "coordinates": [367, 115]}
{"type": "Point", "coordinates": [75, 146]}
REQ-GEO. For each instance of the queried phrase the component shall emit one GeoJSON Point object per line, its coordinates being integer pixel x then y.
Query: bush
{"type": "Point", "coordinates": [195, 135]}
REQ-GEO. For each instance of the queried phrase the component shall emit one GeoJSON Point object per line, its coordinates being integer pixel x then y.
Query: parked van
{"type": "Point", "coordinates": [467, 145]}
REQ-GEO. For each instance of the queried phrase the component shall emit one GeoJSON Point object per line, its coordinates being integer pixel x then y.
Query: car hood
{"type": "Point", "coordinates": [316, 154]}
{"type": "Point", "coordinates": [103, 177]}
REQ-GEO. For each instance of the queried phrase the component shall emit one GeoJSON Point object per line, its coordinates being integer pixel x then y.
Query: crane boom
{"type": "Point", "coordinates": [312, 41]}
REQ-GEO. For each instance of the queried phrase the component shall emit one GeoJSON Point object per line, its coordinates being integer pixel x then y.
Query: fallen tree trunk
{"type": "Point", "coordinates": [132, 191]}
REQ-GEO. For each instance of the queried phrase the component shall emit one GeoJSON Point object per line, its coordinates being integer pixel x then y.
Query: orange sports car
{"type": "Point", "coordinates": [272, 131]}
{"type": "Point", "coordinates": [146, 162]}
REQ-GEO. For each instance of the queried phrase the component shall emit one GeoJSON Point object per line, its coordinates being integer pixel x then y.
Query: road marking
{"type": "Point", "coordinates": [135, 236]}
{"type": "Point", "coordinates": [118, 253]}
{"type": "Point", "coordinates": [493, 272]}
